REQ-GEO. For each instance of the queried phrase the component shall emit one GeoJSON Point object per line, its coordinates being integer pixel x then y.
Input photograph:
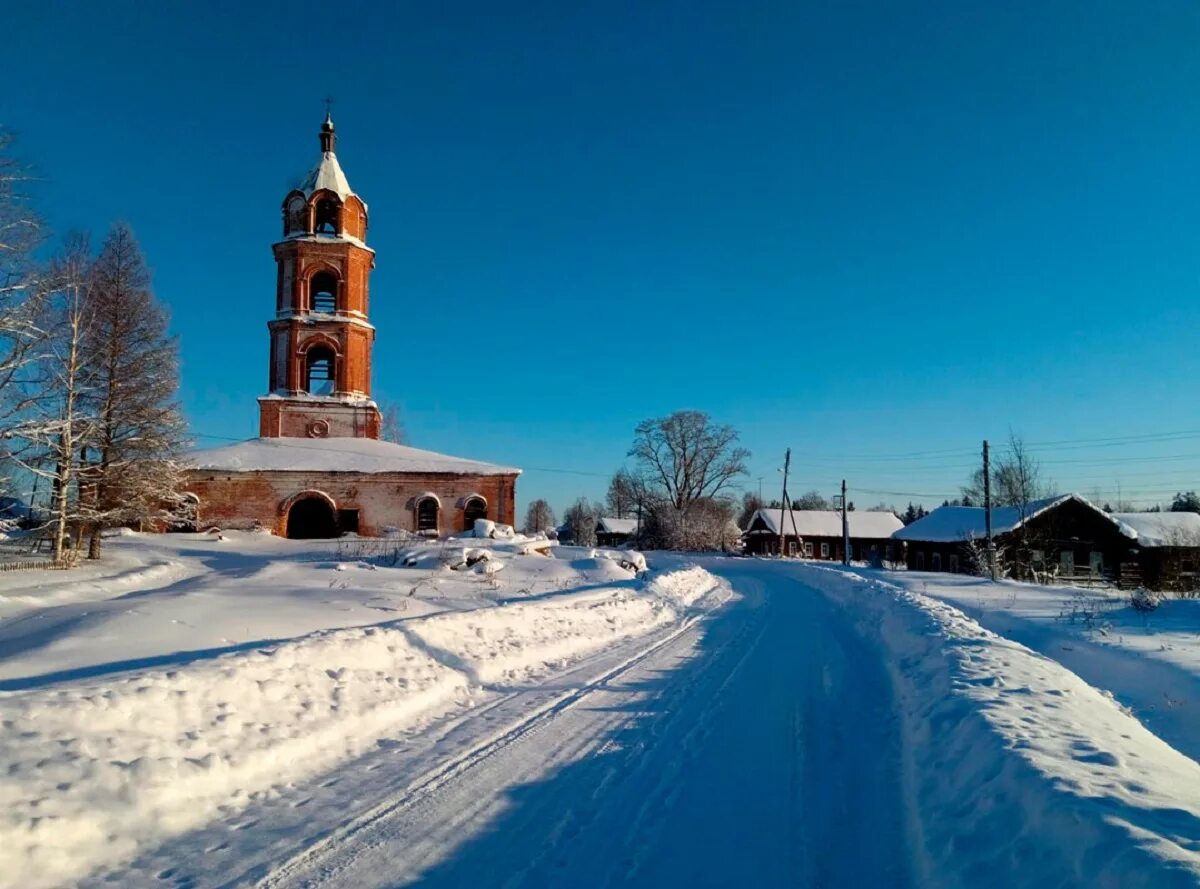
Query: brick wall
{"type": "Point", "coordinates": [238, 500]}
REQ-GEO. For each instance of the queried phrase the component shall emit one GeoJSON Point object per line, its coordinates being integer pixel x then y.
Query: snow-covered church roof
{"type": "Point", "coordinates": [326, 175]}
{"type": "Point", "coordinates": [365, 455]}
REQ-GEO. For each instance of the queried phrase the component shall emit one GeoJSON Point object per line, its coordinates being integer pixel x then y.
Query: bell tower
{"type": "Point", "coordinates": [320, 367]}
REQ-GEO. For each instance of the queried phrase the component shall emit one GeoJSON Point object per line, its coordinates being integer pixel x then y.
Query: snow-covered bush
{"type": "Point", "coordinates": [1146, 601]}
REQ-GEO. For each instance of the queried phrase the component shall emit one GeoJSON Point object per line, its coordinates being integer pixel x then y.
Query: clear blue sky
{"type": "Point", "coordinates": [862, 230]}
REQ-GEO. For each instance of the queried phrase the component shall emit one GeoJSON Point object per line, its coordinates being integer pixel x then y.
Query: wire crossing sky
{"type": "Point", "coordinates": [877, 233]}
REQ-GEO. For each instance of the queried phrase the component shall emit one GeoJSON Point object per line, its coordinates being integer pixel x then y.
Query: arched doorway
{"type": "Point", "coordinates": [474, 508]}
{"type": "Point", "coordinates": [310, 518]}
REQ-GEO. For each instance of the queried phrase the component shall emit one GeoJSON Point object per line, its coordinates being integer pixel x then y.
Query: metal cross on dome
{"type": "Point", "coordinates": [329, 106]}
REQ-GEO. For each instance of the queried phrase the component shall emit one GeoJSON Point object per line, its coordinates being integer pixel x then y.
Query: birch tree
{"type": "Point", "coordinates": [54, 426]}
{"type": "Point", "coordinates": [21, 231]}
{"type": "Point", "coordinates": [131, 473]}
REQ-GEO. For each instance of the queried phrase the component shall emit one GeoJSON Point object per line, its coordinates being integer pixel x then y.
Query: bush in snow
{"type": "Point", "coordinates": [1145, 601]}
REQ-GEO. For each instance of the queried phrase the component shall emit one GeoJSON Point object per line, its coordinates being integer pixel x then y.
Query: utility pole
{"type": "Point", "coordinates": [845, 529]}
{"type": "Point", "coordinates": [987, 509]}
{"type": "Point", "coordinates": [787, 464]}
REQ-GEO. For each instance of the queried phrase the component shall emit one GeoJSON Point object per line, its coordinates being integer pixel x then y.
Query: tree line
{"type": "Point", "coordinates": [90, 424]}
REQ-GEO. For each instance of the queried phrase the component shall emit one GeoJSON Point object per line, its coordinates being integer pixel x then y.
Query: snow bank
{"type": "Point", "coordinates": [94, 770]}
{"type": "Point", "coordinates": [1027, 775]}
{"type": "Point", "coordinates": [522, 640]}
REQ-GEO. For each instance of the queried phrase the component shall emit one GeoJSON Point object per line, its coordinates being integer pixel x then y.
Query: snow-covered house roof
{"type": "Point", "coordinates": [1155, 529]}
{"type": "Point", "coordinates": [828, 522]}
{"type": "Point", "coordinates": [610, 525]}
{"type": "Point", "coordinates": [950, 524]}
{"type": "Point", "coordinates": [365, 455]}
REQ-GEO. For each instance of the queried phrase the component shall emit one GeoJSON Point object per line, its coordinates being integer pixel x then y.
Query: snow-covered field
{"type": "Point", "coordinates": [259, 712]}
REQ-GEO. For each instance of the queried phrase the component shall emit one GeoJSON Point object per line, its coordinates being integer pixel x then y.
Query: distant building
{"type": "Point", "coordinates": [1064, 539]}
{"type": "Point", "coordinates": [318, 468]}
{"type": "Point", "coordinates": [1168, 549]}
{"type": "Point", "coordinates": [614, 532]}
{"type": "Point", "coordinates": [817, 533]}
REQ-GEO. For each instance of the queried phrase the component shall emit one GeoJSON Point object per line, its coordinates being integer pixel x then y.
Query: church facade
{"type": "Point", "coordinates": [318, 467]}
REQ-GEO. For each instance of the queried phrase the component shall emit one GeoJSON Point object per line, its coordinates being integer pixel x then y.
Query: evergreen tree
{"type": "Point", "coordinates": [132, 473]}
{"type": "Point", "coordinates": [1186, 502]}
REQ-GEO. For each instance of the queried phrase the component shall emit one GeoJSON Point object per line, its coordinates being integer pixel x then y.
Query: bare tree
{"type": "Point", "coordinates": [623, 494]}
{"type": "Point", "coordinates": [580, 520]}
{"type": "Point", "coordinates": [810, 500]}
{"type": "Point", "coordinates": [686, 457]}
{"type": "Point", "coordinates": [133, 472]}
{"type": "Point", "coordinates": [54, 427]}
{"type": "Point", "coordinates": [392, 427]}
{"type": "Point", "coordinates": [539, 517]}
{"type": "Point", "coordinates": [751, 503]}
{"type": "Point", "coordinates": [21, 231]}
{"type": "Point", "coordinates": [1016, 478]}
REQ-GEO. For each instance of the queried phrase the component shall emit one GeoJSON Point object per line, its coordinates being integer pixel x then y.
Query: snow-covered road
{"type": "Point", "coordinates": [757, 746]}
{"type": "Point", "coordinates": [822, 729]}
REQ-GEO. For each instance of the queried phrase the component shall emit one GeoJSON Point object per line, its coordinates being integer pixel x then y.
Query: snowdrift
{"type": "Point", "coordinates": [97, 770]}
{"type": "Point", "coordinates": [1023, 774]}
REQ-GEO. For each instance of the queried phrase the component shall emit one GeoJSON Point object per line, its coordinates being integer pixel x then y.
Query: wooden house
{"type": "Point", "coordinates": [817, 534]}
{"type": "Point", "coordinates": [1167, 551]}
{"type": "Point", "coordinates": [612, 531]}
{"type": "Point", "coordinates": [1064, 539]}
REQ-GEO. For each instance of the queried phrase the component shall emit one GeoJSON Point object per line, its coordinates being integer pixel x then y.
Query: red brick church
{"type": "Point", "coordinates": [318, 468]}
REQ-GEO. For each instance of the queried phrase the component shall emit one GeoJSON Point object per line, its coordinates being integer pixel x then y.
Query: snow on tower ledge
{"type": "Point", "coordinates": [363, 455]}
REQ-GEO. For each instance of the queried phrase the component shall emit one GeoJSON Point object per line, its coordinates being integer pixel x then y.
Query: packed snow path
{"type": "Point", "coordinates": [757, 746]}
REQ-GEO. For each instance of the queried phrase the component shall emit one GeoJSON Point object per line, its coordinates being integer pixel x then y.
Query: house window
{"type": "Point", "coordinates": [1036, 556]}
{"type": "Point", "coordinates": [920, 561]}
{"type": "Point", "coordinates": [427, 514]}
{"type": "Point", "coordinates": [319, 370]}
{"type": "Point", "coordinates": [792, 549]}
{"type": "Point", "coordinates": [824, 550]}
{"type": "Point", "coordinates": [1096, 563]}
{"type": "Point", "coordinates": [476, 508]}
{"type": "Point", "coordinates": [935, 561]}
{"type": "Point", "coordinates": [954, 563]}
{"type": "Point", "coordinates": [808, 550]}
{"type": "Point", "coordinates": [322, 293]}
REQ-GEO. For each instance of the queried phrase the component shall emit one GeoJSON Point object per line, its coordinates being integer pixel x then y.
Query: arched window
{"type": "Point", "coordinates": [475, 508]}
{"type": "Point", "coordinates": [320, 366]}
{"type": "Point", "coordinates": [322, 293]}
{"type": "Point", "coordinates": [427, 514]}
{"type": "Point", "coordinates": [327, 216]}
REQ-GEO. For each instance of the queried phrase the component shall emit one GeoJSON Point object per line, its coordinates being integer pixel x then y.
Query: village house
{"type": "Point", "coordinates": [612, 531]}
{"type": "Point", "coordinates": [817, 533]}
{"type": "Point", "coordinates": [318, 468]}
{"type": "Point", "coordinates": [1064, 539]}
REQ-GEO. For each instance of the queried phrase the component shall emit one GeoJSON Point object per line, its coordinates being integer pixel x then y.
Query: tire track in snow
{"type": "Point", "coordinates": [429, 783]}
